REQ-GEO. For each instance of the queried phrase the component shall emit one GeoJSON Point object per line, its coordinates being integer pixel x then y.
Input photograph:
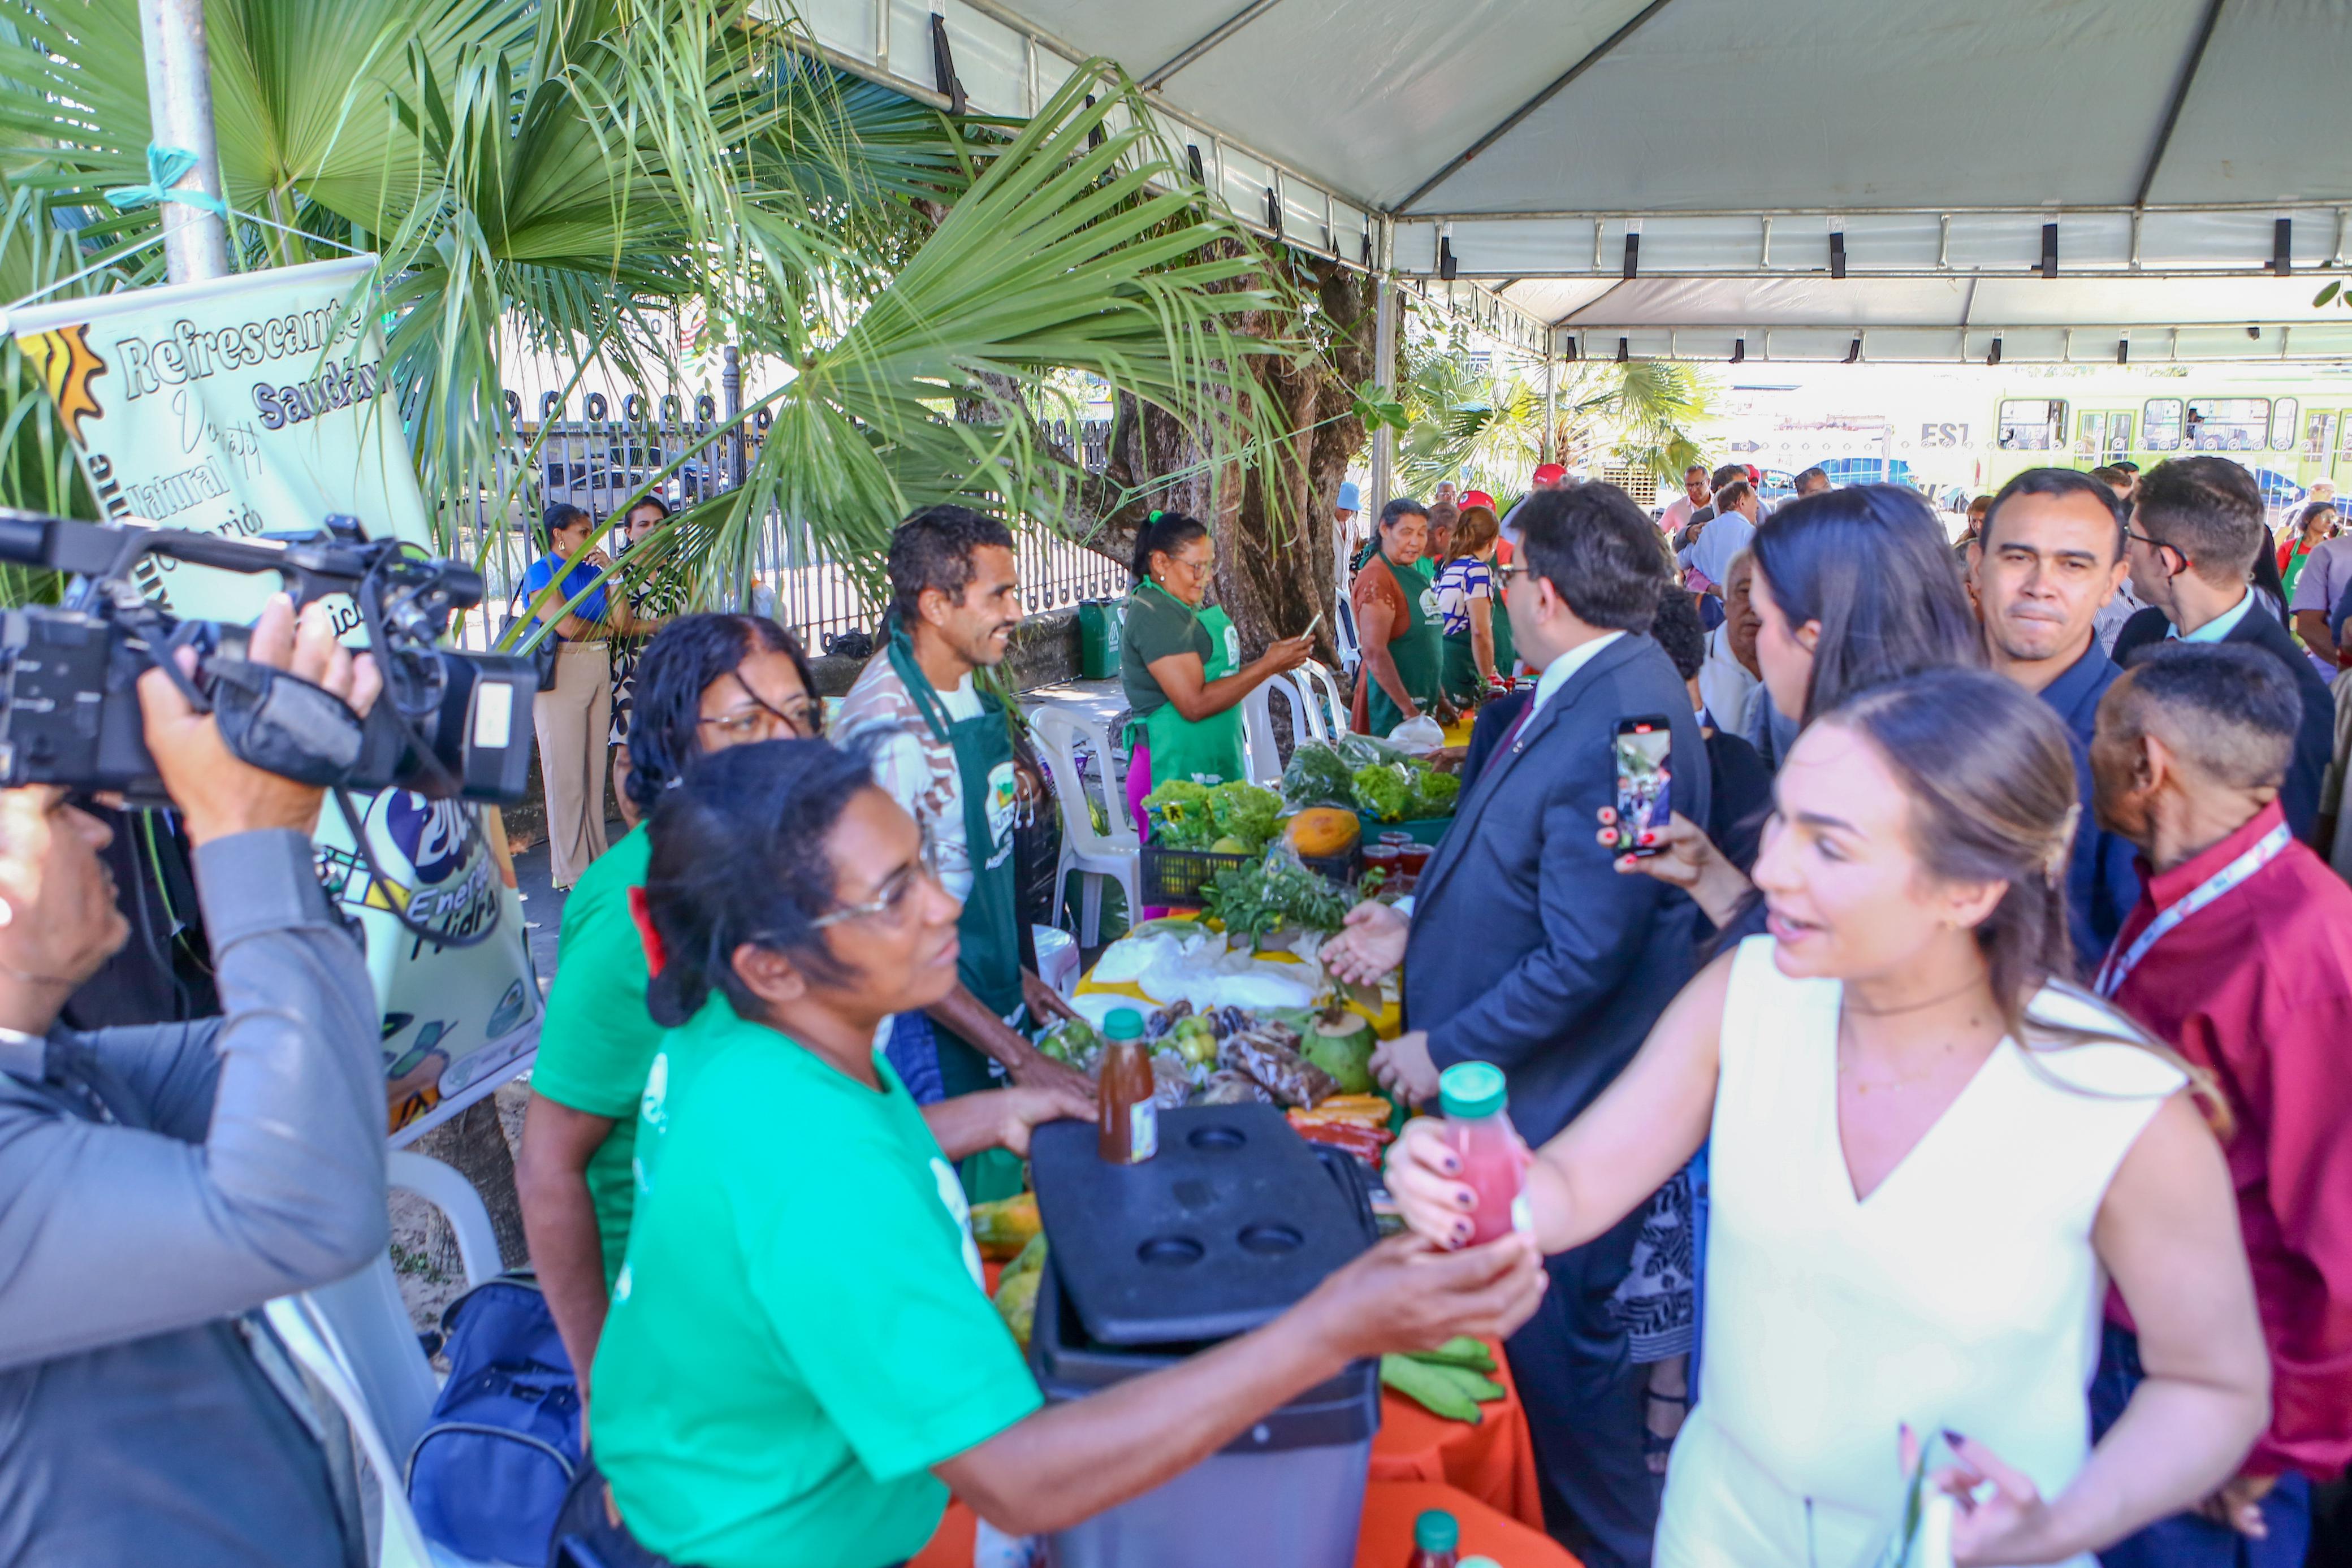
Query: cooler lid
{"type": "Point", "coordinates": [1234, 1219]}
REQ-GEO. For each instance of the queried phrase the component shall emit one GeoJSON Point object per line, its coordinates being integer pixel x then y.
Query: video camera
{"type": "Point", "coordinates": [448, 724]}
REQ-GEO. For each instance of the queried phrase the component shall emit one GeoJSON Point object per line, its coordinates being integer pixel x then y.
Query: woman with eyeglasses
{"type": "Point", "coordinates": [800, 1362]}
{"type": "Point", "coordinates": [1180, 662]}
{"type": "Point", "coordinates": [706, 683]}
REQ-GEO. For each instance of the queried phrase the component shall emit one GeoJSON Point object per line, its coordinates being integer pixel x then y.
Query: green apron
{"type": "Point", "coordinates": [1463, 682]}
{"type": "Point", "coordinates": [988, 960]}
{"type": "Point", "coordinates": [1507, 653]}
{"type": "Point", "coordinates": [1208, 751]}
{"type": "Point", "coordinates": [1418, 648]}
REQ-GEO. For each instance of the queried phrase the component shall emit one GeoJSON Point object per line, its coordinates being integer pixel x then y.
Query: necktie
{"type": "Point", "coordinates": [1518, 724]}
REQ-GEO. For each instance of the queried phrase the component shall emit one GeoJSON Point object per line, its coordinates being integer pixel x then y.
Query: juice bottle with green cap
{"type": "Point", "coordinates": [1478, 1127]}
{"type": "Point", "coordinates": [1126, 1118]}
{"type": "Point", "coordinates": [1435, 1536]}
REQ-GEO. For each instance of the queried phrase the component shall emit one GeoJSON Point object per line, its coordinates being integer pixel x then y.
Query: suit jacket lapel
{"type": "Point", "coordinates": [1474, 806]}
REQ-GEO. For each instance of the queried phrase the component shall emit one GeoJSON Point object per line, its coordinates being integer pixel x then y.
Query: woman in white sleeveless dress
{"type": "Point", "coordinates": [1929, 1157]}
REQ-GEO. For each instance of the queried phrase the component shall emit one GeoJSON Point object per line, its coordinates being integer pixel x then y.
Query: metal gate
{"type": "Point", "coordinates": [598, 455]}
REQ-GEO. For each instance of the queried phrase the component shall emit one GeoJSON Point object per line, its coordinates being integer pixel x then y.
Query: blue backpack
{"type": "Point", "coordinates": [488, 1475]}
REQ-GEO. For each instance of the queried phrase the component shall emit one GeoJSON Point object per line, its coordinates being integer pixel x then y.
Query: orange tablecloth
{"type": "Point", "coordinates": [1494, 1461]}
{"type": "Point", "coordinates": [1390, 1508]}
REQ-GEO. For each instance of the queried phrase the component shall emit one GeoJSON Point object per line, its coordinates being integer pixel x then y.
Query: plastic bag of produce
{"type": "Point", "coordinates": [1317, 775]}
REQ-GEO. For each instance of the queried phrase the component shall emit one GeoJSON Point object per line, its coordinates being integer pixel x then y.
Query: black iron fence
{"type": "Point", "coordinates": [596, 454]}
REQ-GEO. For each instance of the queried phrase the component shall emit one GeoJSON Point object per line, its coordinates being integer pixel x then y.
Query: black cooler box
{"type": "Point", "coordinates": [1234, 1220]}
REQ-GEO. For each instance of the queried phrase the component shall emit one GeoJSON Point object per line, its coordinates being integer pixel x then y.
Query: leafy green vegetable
{"type": "Point", "coordinates": [1181, 816]}
{"type": "Point", "coordinates": [1434, 793]}
{"type": "Point", "coordinates": [1254, 899]}
{"type": "Point", "coordinates": [1317, 775]}
{"type": "Point", "coordinates": [1246, 812]}
{"type": "Point", "coordinates": [1382, 791]}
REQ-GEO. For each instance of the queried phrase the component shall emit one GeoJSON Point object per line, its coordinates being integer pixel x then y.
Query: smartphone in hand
{"type": "Point", "coordinates": [1645, 777]}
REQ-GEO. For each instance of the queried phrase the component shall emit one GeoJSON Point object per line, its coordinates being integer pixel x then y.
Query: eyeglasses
{"type": "Point", "coordinates": [2151, 541]}
{"type": "Point", "coordinates": [803, 717]}
{"type": "Point", "coordinates": [1505, 571]}
{"type": "Point", "coordinates": [892, 900]}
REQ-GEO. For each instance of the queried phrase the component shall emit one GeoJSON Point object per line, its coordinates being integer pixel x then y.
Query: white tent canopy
{"type": "Point", "coordinates": [1686, 174]}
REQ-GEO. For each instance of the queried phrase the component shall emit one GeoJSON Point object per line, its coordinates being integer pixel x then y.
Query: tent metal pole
{"type": "Point", "coordinates": [1600, 52]}
{"type": "Point", "coordinates": [1191, 52]}
{"type": "Point", "coordinates": [2180, 97]}
{"type": "Point", "coordinates": [180, 91]}
{"type": "Point", "coordinates": [1385, 303]}
{"type": "Point", "coordinates": [1551, 416]}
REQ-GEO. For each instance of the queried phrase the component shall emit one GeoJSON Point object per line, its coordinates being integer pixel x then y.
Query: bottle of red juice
{"type": "Point", "coordinates": [1478, 1127]}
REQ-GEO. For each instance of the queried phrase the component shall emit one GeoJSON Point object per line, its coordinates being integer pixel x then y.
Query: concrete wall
{"type": "Point", "coordinates": [1045, 652]}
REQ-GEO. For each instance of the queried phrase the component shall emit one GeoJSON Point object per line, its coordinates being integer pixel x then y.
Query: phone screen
{"type": "Point", "coordinates": [1645, 777]}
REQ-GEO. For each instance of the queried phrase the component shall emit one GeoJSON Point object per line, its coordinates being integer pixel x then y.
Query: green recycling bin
{"type": "Point", "coordinates": [1098, 628]}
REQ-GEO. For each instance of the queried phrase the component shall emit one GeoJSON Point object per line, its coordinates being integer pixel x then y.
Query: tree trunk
{"type": "Point", "coordinates": [1277, 565]}
{"type": "Point", "coordinates": [1273, 525]}
{"type": "Point", "coordinates": [475, 1144]}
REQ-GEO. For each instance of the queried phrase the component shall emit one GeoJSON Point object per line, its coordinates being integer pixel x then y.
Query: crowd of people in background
{"type": "Point", "coordinates": [1981, 1001]}
{"type": "Point", "coordinates": [2005, 888]}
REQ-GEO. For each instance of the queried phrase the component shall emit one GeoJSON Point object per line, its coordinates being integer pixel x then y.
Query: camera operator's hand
{"type": "Point", "coordinates": [216, 792]}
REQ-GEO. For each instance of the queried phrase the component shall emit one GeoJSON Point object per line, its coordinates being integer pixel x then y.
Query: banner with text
{"type": "Point", "coordinates": [257, 403]}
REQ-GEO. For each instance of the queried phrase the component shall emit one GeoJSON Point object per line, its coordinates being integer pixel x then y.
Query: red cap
{"type": "Point", "coordinates": [1550, 474]}
{"type": "Point", "coordinates": [1477, 498]}
{"type": "Point", "coordinates": [1755, 474]}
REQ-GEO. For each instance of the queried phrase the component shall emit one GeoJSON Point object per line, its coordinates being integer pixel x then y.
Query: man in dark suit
{"type": "Point", "coordinates": [2196, 530]}
{"type": "Point", "coordinates": [2048, 560]}
{"type": "Point", "coordinates": [1527, 949]}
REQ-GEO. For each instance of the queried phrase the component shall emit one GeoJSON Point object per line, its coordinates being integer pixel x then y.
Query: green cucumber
{"type": "Point", "coordinates": [1460, 1350]}
{"type": "Point", "coordinates": [1430, 1388]}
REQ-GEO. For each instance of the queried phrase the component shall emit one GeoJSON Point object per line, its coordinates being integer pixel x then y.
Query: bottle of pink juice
{"type": "Point", "coordinates": [1479, 1128]}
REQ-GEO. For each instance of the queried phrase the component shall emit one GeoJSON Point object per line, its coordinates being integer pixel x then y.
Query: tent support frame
{"type": "Point", "coordinates": [1599, 52]}
{"type": "Point", "coordinates": [2180, 97]}
{"type": "Point", "coordinates": [1153, 80]}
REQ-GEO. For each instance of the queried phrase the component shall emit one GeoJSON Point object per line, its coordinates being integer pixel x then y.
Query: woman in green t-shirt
{"type": "Point", "coordinates": [705, 683]}
{"type": "Point", "coordinates": [1181, 663]}
{"type": "Point", "coordinates": [800, 1362]}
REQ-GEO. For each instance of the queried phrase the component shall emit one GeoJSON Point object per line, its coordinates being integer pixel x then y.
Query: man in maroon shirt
{"type": "Point", "coordinates": [2240, 954]}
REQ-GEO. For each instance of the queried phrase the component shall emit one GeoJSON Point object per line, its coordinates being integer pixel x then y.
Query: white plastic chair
{"type": "Point", "coordinates": [1343, 630]}
{"type": "Point", "coordinates": [1259, 751]}
{"type": "Point", "coordinates": [1057, 958]}
{"type": "Point", "coordinates": [1094, 856]}
{"type": "Point", "coordinates": [355, 1340]}
{"type": "Point", "coordinates": [1319, 700]}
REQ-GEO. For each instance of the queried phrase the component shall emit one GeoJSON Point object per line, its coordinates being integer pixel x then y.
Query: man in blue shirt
{"type": "Point", "coordinates": [2050, 556]}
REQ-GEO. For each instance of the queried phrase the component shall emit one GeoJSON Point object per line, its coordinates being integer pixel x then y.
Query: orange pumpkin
{"type": "Point", "coordinates": [1321, 830]}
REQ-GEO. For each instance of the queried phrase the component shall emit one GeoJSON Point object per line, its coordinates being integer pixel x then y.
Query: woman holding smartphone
{"type": "Point", "coordinates": [1929, 1151]}
{"type": "Point", "coordinates": [1180, 663]}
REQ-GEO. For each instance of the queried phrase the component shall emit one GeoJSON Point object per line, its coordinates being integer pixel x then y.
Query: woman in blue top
{"type": "Point", "coordinates": [573, 717]}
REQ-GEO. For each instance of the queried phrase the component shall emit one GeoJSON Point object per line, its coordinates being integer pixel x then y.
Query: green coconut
{"type": "Point", "coordinates": [1341, 1043]}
